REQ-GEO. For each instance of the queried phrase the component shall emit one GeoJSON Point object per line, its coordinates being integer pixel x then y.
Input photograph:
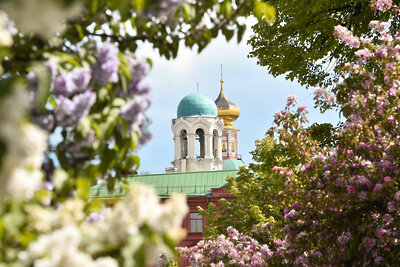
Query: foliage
{"type": "Point", "coordinates": [249, 189]}
{"type": "Point", "coordinates": [342, 201]}
{"type": "Point", "coordinates": [323, 133]}
{"type": "Point", "coordinates": [300, 44]}
{"type": "Point", "coordinates": [73, 99]}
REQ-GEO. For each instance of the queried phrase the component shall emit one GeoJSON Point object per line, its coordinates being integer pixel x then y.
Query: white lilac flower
{"type": "Point", "coordinates": [61, 249]}
{"type": "Point", "coordinates": [20, 173]}
{"type": "Point", "coordinates": [6, 31]}
{"type": "Point", "coordinates": [123, 221]}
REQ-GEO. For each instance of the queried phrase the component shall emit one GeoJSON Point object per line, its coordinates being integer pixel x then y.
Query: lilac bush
{"type": "Point", "coordinates": [341, 203]}
{"type": "Point", "coordinates": [93, 103]}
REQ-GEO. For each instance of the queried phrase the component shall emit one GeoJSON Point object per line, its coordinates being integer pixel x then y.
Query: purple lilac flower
{"type": "Point", "coordinates": [164, 7]}
{"type": "Point", "coordinates": [45, 122]}
{"type": "Point", "coordinates": [140, 69]}
{"type": "Point", "coordinates": [73, 82]}
{"type": "Point", "coordinates": [10, 26]}
{"type": "Point", "coordinates": [77, 149]}
{"type": "Point", "coordinates": [132, 112]}
{"type": "Point", "coordinates": [48, 186]}
{"type": "Point", "coordinates": [137, 85]}
{"type": "Point", "coordinates": [105, 70]}
{"type": "Point", "coordinates": [97, 216]}
{"type": "Point", "coordinates": [69, 112]}
{"type": "Point", "coordinates": [32, 79]}
{"type": "Point", "coordinates": [145, 138]}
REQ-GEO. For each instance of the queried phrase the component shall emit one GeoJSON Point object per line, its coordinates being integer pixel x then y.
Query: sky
{"type": "Point", "coordinates": [257, 94]}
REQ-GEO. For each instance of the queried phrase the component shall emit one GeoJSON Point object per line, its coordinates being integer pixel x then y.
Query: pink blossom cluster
{"type": "Point", "coordinates": [232, 250]}
{"type": "Point", "coordinates": [321, 94]}
{"type": "Point", "coordinates": [383, 5]}
{"type": "Point", "coordinates": [347, 36]}
{"type": "Point", "coordinates": [378, 26]}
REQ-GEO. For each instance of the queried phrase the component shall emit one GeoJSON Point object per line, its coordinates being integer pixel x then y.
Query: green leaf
{"type": "Point", "coordinates": [170, 244]}
{"type": "Point", "coordinates": [93, 6]}
{"type": "Point", "coordinates": [107, 160]}
{"type": "Point", "coordinates": [52, 102]}
{"type": "Point", "coordinates": [264, 11]}
{"type": "Point", "coordinates": [59, 178]}
{"type": "Point", "coordinates": [83, 186]}
{"type": "Point", "coordinates": [134, 141]}
{"type": "Point", "coordinates": [189, 12]}
{"type": "Point", "coordinates": [175, 48]}
{"type": "Point", "coordinates": [44, 80]}
{"type": "Point", "coordinates": [1, 229]}
{"type": "Point", "coordinates": [228, 34]}
{"type": "Point", "coordinates": [240, 32]}
{"type": "Point", "coordinates": [106, 128]}
{"type": "Point", "coordinates": [84, 126]}
{"type": "Point", "coordinates": [139, 5]}
{"type": "Point", "coordinates": [6, 85]}
{"type": "Point", "coordinates": [133, 245]}
{"type": "Point", "coordinates": [78, 28]}
{"type": "Point", "coordinates": [226, 8]}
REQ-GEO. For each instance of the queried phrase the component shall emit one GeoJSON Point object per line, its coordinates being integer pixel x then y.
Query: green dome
{"type": "Point", "coordinates": [197, 104]}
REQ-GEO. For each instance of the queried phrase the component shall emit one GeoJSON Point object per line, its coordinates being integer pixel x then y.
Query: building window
{"type": "Point", "coordinates": [196, 223]}
{"type": "Point", "coordinates": [184, 144]}
{"type": "Point", "coordinates": [200, 143]}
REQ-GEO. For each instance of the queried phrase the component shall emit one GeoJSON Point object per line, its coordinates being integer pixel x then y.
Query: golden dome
{"type": "Point", "coordinates": [227, 110]}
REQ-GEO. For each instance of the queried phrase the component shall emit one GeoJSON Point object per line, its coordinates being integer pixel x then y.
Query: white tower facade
{"type": "Point", "coordinates": [197, 135]}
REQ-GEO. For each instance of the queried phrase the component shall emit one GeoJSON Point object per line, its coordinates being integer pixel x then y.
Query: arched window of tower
{"type": "Point", "coordinates": [200, 143]}
{"type": "Point", "coordinates": [184, 144]}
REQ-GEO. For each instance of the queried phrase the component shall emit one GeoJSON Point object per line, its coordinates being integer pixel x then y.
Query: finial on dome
{"type": "Point", "coordinates": [227, 110]}
{"type": "Point", "coordinates": [221, 75]}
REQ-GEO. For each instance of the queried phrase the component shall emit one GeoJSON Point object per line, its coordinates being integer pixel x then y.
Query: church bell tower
{"type": "Point", "coordinates": [229, 112]}
{"type": "Point", "coordinates": [197, 135]}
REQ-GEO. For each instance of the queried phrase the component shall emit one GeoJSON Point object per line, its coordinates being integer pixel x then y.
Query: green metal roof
{"type": "Point", "coordinates": [197, 104]}
{"type": "Point", "coordinates": [188, 183]}
{"type": "Point", "coordinates": [232, 164]}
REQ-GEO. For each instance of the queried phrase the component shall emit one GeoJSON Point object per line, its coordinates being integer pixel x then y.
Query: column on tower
{"type": "Point", "coordinates": [209, 146]}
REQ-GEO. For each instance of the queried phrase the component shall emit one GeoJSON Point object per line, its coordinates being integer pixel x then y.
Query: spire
{"type": "Point", "coordinates": [222, 80]}
{"type": "Point", "coordinates": [198, 90]}
{"type": "Point", "coordinates": [227, 110]}
{"type": "Point", "coordinates": [222, 93]}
